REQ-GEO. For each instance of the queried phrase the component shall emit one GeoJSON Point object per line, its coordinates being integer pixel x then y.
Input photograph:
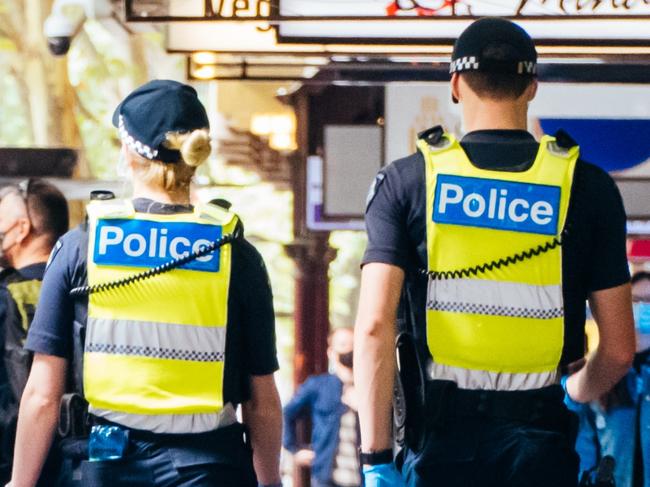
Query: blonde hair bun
{"type": "Point", "coordinates": [194, 147]}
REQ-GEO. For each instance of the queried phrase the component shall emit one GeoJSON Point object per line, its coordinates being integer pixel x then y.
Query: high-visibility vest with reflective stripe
{"type": "Point", "coordinates": [508, 319]}
{"type": "Point", "coordinates": [157, 346]}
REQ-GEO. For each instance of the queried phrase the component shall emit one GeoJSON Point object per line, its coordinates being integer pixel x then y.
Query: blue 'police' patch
{"type": "Point", "coordinates": [143, 243]}
{"type": "Point", "coordinates": [492, 203]}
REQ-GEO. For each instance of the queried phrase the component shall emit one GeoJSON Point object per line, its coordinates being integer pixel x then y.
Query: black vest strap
{"type": "Point", "coordinates": [432, 135]}
{"type": "Point", "coordinates": [564, 140]}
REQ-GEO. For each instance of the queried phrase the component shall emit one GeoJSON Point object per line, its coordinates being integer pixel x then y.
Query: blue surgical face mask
{"type": "Point", "coordinates": [642, 317]}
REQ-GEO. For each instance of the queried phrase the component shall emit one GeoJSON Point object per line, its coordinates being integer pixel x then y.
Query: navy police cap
{"type": "Point", "coordinates": [494, 44]}
{"type": "Point", "coordinates": [148, 113]}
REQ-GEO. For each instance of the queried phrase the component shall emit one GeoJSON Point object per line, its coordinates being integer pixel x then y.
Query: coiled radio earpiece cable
{"type": "Point", "coordinates": [161, 269]}
{"type": "Point", "coordinates": [498, 264]}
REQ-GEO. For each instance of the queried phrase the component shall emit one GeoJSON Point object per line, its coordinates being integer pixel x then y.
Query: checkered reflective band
{"type": "Point", "coordinates": [153, 352]}
{"type": "Point", "coordinates": [483, 309]}
{"type": "Point", "coordinates": [495, 298]}
{"type": "Point", "coordinates": [465, 63]}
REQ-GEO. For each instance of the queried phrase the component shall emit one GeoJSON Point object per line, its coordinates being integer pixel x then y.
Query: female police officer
{"type": "Point", "coordinates": [167, 358]}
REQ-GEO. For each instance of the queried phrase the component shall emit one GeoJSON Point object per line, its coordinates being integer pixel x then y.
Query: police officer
{"type": "Point", "coordinates": [33, 215]}
{"type": "Point", "coordinates": [498, 241]}
{"type": "Point", "coordinates": [166, 358]}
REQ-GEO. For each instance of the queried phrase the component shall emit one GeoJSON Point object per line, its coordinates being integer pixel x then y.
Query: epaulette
{"type": "Point", "coordinates": [433, 135]}
{"type": "Point", "coordinates": [564, 140]}
{"type": "Point", "coordinates": [222, 203]}
{"type": "Point", "coordinates": [101, 195]}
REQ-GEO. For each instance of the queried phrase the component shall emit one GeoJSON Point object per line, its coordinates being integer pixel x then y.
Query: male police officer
{"type": "Point", "coordinates": [499, 241]}
{"type": "Point", "coordinates": [33, 215]}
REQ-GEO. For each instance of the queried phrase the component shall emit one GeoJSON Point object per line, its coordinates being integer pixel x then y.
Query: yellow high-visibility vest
{"type": "Point", "coordinates": [156, 347]}
{"type": "Point", "coordinates": [507, 318]}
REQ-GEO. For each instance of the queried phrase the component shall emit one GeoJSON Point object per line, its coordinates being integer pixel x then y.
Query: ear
{"type": "Point", "coordinates": [131, 162]}
{"type": "Point", "coordinates": [455, 90]}
{"type": "Point", "coordinates": [24, 229]}
{"type": "Point", "coordinates": [531, 91]}
{"type": "Point", "coordinates": [129, 159]}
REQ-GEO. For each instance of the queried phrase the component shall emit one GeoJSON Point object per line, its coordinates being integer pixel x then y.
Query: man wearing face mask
{"type": "Point", "coordinates": [330, 401]}
{"type": "Point", "coordinates": [33, 215]}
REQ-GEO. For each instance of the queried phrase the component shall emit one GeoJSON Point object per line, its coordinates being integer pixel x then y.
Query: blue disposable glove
{"type": "Point", "coordinates": [383, 475]}
{"type": "Point", "coordinates": [570, 403]}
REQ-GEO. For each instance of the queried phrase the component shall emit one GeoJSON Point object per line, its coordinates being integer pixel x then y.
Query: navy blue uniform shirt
{"type": "Point", "coordinates": [593, 254]}
{"type": "Point", "coordinates": [250, 333]}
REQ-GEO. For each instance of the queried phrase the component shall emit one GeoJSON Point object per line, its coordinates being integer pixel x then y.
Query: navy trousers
{"type": "Point", "coordinates": [484, 452]}
{"type": "Point", "coordinates": [201, 460]}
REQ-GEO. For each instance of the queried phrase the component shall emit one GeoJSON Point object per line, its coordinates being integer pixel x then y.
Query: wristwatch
{"type": "Point", "coordinates": [376, 457]}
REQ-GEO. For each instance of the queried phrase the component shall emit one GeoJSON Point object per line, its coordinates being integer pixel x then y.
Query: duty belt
{"type": "Point", "coordinates": [445, 401]}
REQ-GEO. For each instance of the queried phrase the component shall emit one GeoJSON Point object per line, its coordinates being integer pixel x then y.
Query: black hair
{"type": "Point", "coordinates": [48, 210]}
{"type": "Point", "coordinates": [497, 84]}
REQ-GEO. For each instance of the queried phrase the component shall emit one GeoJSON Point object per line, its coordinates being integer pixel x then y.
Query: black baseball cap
{"type": "Point", "coordinates": [494, 44]}
{"type": "Point", "coordinates": [148, 113]}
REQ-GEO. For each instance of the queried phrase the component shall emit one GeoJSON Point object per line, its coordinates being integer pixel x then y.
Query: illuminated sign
{"type": "Point", "coordinates": [430, 21]}
{"type": "Point", "coordinates": [291, 10]}
{"type": "Point", "coordinates": [393, 26]}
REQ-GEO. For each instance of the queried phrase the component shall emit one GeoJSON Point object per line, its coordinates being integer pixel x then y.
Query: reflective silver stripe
{"type": "Point", "coordinates": [492, 381]}
{"type": "Point", "coordinates": [171, 423]}
{"type": "Point", "coordinates": [156, 340]}
{"type": "Point", "coordinates": [482, 296]}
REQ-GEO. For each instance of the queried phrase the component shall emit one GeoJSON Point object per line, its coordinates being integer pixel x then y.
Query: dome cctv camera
{"type": "Point", "coordinates": [60, 28]}
{"type": "Point", "coordinates": [59, 32]}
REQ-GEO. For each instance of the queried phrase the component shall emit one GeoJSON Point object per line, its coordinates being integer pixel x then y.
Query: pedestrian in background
{"type": "Point", "coordinates": [33, 215]}
{"type": "Point", "coordinates": [330, 401]}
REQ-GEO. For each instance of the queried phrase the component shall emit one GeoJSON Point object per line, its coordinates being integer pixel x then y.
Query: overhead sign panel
{"type": "Point", "coordinates": [291, 10]}
{"type": "Point", "coordinates": [463, 8]}
{"type": "Point", "coordinates": [576, 22]}
{"type": "Point", "coordinates": [392, 26]}
{"type": "Point", "coordinates": [258, 38]}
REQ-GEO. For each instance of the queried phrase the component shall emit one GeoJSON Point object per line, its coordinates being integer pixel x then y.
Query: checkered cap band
{"type": "Point", "coordinates": [465, 63]}
{"type": "Point", "coordinates": [153, 352]}
{"type": "Point", "coordinates": [471, 63]}
{"type": "Point", "coordinates": [135, 145]}
{"type": "Point", "coordinates": [483, 309]}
